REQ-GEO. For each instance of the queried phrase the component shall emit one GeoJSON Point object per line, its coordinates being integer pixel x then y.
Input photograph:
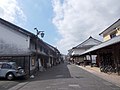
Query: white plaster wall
{"type": "Point", "coordinates": [93, 58]}
{"type": "Point", "coordinates": [91, 42]}
{"type": "Point", "coordinates": [12, 41]}
{"type": "Point", "coordinates": [78, 51]}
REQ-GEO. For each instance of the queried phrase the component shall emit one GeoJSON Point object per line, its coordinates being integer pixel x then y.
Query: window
{"type": "Point", "coordinates": [6, 66]}
{"type": "Point", "coordinates": [112, 35]}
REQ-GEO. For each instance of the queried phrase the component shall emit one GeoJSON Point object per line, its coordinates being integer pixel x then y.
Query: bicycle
{"type": "Point", "coordinates": [111, 70]}
{"type": "Point", "coordinates": [102, 68]}
{"type": "Point", "coordinates": [108, 69]}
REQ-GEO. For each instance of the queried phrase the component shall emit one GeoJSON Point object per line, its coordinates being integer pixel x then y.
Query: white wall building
{"type": "Point", "coordinates": [81, 48]}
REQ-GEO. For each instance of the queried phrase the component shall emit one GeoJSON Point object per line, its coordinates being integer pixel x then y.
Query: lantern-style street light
{"type": "Point", "coordinates": [42, 35]}
{"type": "Point", "coordinates": [39, 32]}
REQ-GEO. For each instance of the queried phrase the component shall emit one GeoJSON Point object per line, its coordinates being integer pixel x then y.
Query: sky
{"type": "Point", "coordinates": [66, 23]}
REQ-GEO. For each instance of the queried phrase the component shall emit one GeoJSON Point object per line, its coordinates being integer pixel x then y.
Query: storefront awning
{"type": "Point", "coordinates": [112, 41]}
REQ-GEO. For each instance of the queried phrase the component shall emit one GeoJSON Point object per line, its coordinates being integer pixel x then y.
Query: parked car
{"type": "Point", "coordinates": [10, 70]}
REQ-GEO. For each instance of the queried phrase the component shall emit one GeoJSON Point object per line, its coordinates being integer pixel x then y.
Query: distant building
{"type": "Point", "coordinates": [54, 55]}
{"type": "Point", "coordinates": [75, 52]}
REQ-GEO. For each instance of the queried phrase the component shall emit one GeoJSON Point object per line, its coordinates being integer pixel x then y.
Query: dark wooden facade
{"type": "Point", "coordinates": [108, 55]}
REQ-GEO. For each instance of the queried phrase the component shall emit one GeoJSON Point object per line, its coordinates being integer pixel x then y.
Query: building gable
{"type": "Point", "coordinates": [88, 43]}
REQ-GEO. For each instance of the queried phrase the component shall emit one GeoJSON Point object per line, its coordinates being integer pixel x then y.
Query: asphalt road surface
{"type": "Point", "coordinates": [6, 84]}
{"type": "Point", "coordinates": [65, 77]}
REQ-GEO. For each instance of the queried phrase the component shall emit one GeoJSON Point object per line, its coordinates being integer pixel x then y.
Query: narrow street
{"type": "Point", "coordinates": [65, 77]}
{"type": "Point", "coordinates": [57, 45]}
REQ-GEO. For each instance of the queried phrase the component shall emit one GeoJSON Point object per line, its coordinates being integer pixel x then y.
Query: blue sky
{"type": "Point", "coordinates": [39, 14]}
{"type": "Point", "coordinates": [66, 23]}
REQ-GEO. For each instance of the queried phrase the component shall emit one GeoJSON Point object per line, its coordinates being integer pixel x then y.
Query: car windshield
{"type": "Point", "coordinates": [14, 66]}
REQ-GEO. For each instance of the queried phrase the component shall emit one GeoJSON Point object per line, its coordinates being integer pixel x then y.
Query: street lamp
{"type": "Point", "coordinates": [42, 35]}
{"type": "Point", "coordinates": [39, 32]}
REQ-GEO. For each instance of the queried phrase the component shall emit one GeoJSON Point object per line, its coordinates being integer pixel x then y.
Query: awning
{"type": "Point", "coordinates": [112, 41]}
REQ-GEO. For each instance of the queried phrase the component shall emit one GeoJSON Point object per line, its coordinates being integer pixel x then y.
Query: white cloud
{"type": "Point", "coordinates": [76, 20]}
{"type": "Point", "coordinates": [11, 11]}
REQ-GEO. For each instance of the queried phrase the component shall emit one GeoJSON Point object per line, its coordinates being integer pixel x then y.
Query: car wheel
{"type": "Point", "coordinates": [10, 76]}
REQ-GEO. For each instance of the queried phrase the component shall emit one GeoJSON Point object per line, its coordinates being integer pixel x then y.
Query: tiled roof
{"type": "Point", "coordinates": [88, 43]}
{"type": "Point", "coordinates": [104, 44]}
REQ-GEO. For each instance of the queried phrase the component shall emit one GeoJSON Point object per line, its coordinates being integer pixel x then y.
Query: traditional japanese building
{"type": "Point", "coordinates": [76, 51]}
{"type": "Point", "coordinates": [108, 52]}
{"type": "Point", "coordinates": [23, 47]}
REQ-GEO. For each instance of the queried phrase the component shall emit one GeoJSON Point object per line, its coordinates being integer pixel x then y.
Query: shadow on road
{"type": "Point", "coordinates": [56, 72]}
{"type": "Point", "coordinates": [15, 80]}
